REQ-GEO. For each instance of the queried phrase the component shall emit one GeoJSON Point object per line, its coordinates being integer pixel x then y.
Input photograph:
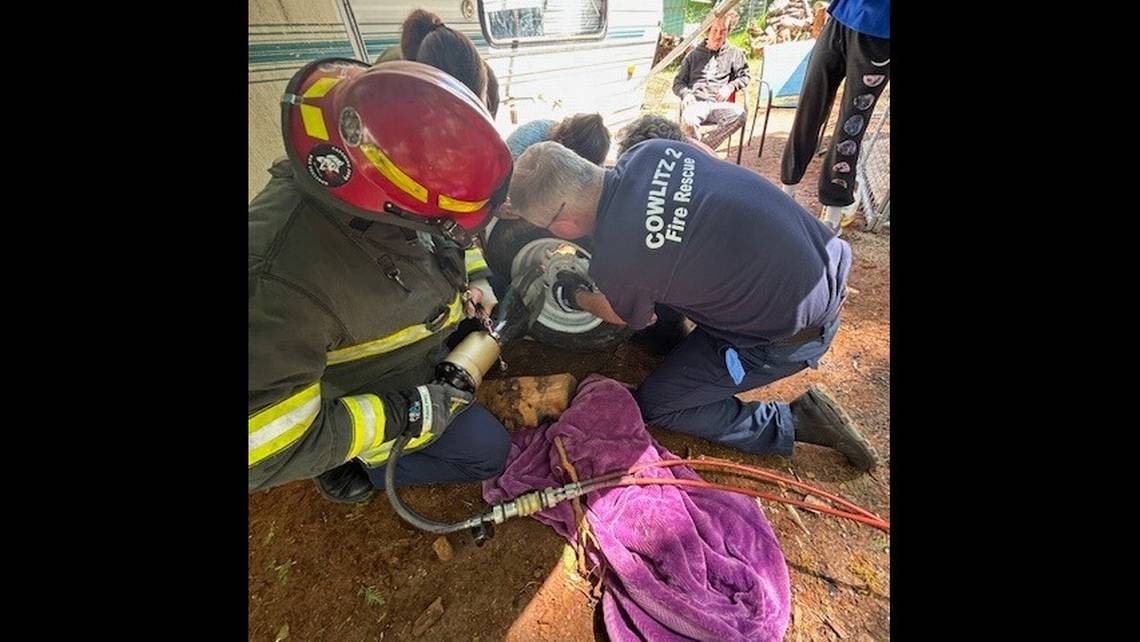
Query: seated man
{"type": "Point", "coordinates": [708, 76]}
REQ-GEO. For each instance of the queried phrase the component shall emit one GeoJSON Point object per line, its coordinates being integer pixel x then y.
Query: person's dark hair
{"type": "Point", "coordinates": [424, 38]}
{"type": "Point", "coordinates": [585, 134]}
{"type": "Point", "coordinates": [492, 91]}
{"type": "Point", "coordinates": [648, 127]}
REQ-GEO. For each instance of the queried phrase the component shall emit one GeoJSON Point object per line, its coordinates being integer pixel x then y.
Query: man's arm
{"type": "Point", "coordinates": [296, 433]}
{"type": "Point", "coordinates": [682, 82]}
{"type": "Point", "coordinates": [741, 74]}
{"type": "Point", "coordinates": [598, 305]}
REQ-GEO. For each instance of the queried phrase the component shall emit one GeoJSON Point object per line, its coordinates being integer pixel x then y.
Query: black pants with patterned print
{"type": "Point", "coordinates": [865, 62]}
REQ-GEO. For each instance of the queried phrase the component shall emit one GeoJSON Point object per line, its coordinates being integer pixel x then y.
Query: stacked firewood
{"type": "Point", "coordinates": [788, 20]}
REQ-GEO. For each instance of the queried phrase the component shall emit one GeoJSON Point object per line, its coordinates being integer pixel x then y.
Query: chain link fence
{"type": "Point", "coordinates": [873, 170]}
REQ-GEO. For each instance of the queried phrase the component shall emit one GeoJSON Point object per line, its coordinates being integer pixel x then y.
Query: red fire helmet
{"type": "Point", "coordinates": [402, 143]}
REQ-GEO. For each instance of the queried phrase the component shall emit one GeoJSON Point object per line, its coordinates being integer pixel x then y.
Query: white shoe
{"type": "Point", "coordinates": [832, 217]}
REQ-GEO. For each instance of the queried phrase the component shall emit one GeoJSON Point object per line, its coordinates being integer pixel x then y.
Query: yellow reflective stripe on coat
{"type": "Point", "coordinates": [396, 340]}
{"type": "Point", "coordinates": [380, 454]}
{"type": "Point", "coordinates": [277, 427]}
{"type": "Point", "coordinates": [367, 412]}
{"type": "Point", "coordinates": [474, 260]}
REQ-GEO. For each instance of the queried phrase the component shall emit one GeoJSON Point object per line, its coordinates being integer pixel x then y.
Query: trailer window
{"type": "Point", "coordinates": [505, 21]}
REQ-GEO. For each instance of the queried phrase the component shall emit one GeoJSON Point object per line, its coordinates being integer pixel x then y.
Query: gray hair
{"type": "Point", "coordinates": [648, 127]}
{"type": "Point", "coordinates": [547, 176]}
{"type": "Point", "coordinates": [731, 19]}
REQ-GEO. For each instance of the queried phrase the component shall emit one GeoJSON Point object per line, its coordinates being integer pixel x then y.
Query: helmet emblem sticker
{"type": "Point", "coordinates": [329, 165]}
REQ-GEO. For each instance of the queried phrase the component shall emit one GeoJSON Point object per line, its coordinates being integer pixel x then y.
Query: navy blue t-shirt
{"type": "Point", "coordinates": [715, 241]}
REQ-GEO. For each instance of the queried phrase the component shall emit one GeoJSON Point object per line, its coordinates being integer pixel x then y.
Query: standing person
{"type": "Point", "coordinates": [855, 46]}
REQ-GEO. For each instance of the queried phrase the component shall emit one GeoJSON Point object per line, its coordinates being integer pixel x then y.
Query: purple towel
{"type": "Point", "coordinates": [681, 564]}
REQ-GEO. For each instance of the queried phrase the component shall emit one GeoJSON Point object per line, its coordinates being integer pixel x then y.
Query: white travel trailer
{"type": "Point", "coordinates": [552, 57]}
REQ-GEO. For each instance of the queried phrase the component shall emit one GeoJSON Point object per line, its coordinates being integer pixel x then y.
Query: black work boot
{"type": "Point", "coordinates": [346, 484]}
{"type": "Point", "coordinates": [819, 420]}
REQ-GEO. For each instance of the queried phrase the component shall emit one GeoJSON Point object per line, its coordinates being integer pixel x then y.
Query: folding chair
{"type": "Point", "coordinates": [782, 71]}
{"type": "Point", "coordinates": [767, 111]}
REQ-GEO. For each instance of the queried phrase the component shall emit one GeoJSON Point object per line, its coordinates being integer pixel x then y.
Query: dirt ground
{"type": "Point", "coordinates": [320, 571]}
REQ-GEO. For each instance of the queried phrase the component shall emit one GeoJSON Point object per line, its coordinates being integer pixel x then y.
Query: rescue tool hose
{"type": "Point", "coordinates": [697, 483]}
{"type": "Point", "coordinates": [464, 368]}
{"type": "Point", "coordinates": [535, 501]}
{"type": "Point", "coordinates": [482, 526]}
{"type": "Point", "coordinates": [747, 471]}
{"type": "Point", "coordinates": [858, 514]}
{"type": "Point", "coordinates": [409, 515]}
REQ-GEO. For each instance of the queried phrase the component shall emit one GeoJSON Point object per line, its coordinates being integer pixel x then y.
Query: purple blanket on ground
{"type": "Point", "coordinates": [681, 564]}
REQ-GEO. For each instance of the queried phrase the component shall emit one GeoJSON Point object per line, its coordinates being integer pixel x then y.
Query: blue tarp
{"type": "Point", "coordinates": [785, 66]}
